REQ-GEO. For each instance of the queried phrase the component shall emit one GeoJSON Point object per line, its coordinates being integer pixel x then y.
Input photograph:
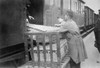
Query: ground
{"type": "Point", "coordinates": [92, 52]}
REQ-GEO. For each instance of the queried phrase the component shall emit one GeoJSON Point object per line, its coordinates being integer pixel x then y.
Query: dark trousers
{"type": "Point", "coordinates": [98, 47]}
{"type": "Point", "coordinates": [97, 38]}
{"type": "Point", "coordinates": [73, 64]}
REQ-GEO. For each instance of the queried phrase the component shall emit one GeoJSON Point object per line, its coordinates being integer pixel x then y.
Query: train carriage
{"type": "Point", "coordinates": [12, 21]}
{"type": "Point", "coordinates": [89, 17]}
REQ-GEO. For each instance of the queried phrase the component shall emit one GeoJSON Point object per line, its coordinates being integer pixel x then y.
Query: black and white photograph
{"type": "Point", "coordinates": [49, 33]}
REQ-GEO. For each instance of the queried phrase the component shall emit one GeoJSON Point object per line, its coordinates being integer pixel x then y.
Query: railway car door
{"type": "Point", "coordinates": [35, 9]}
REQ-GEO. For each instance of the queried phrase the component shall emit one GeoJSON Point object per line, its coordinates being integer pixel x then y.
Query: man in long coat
{"type": "Point", "coordinates": [97, 33]}
{"type": "Point", "coordinates": [76, 46]}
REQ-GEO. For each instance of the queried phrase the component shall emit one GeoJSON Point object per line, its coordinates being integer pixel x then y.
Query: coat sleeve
{"type": "Point", "coordinates": [97, 30]}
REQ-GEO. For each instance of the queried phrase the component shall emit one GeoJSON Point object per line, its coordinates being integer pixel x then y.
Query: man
{"type": "Point", "coordinates": [75, 43]}
{"type": "Point", "coordinates": [97, 35]}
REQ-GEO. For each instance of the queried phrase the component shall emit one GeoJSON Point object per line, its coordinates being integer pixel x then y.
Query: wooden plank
{"type": "Point", "coordinates": [26, 48]}
{"type": "Point", "coordinates": [35, 63]}
{"type": "Point", "coordinates": [32, 46]}
{"type": "Point", "coordinates": [10, 53]}
{"type": "Point", "coordinates": [51, 53]}
{"type": "Point", "coordinates": [13, 57]}
{"type": "Point", "coordinates": [44, 50]}
{"type": "Point", "coordinates": [43, 28]}
{"type": "Point", "coordinates": [40, 33]}
{"type": "Point", "coordinates": [58, 50]}
{"type": "Point", "coordinates": [38, 51]}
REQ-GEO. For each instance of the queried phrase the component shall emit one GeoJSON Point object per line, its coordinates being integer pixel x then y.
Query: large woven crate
{"type": "Point", "coordinates": [52, 55]}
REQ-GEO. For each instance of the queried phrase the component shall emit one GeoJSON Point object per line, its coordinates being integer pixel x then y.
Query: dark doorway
{"type": "Point", "coordinates": [35, 10]}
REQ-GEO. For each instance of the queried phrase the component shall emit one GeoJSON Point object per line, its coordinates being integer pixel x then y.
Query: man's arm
{"type": "Point", "coordinates": [62, 24]}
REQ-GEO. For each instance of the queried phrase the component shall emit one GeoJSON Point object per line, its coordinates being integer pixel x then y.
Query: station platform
{"type": "Point", "coordinates": [92, 52]}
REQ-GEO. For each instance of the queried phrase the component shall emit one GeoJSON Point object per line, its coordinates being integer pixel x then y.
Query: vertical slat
{"type": "Point", "coordinates": [58, 50]}
{"type": "Point", "coordinates": [32, 50]}
{"type": "Point", "coordinates": [70, 4]}
{"type": "Point", "coordinates": [26, 49]}
{"type": "Point", "coordinates": [38, 50]}
{"type": "Point", "coordinates": [44, 50]}
{"type": "Point", "coordinates": [51, 52]}
{"type": "Point", "coordinates": [88, 16]}
{"type": "Point", "coordinates": [61, 2]}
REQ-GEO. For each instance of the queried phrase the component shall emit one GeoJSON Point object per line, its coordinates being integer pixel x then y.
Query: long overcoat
{"type": "Point", "coordinates": [75, 42]}
{"type": "Point", "coordinates": [76, 48]}
{"type": "Point", "coordinates": [97, 34]}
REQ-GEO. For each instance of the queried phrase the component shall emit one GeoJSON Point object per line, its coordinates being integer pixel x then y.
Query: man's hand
{"type": "Point", "coordinates": [57, 25]}
{"type": "Point", "coordinates": [95, 44]}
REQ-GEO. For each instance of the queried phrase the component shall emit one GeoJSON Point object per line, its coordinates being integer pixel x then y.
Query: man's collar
{"type": "Point", "coordinates": [99, 18]}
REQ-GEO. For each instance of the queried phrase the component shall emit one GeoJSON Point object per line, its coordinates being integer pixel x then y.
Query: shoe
{"type": "Point", "coordinates": [98, 61]}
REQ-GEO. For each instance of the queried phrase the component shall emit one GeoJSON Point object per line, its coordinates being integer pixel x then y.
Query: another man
{"type": "Point", "coordinates": [97, 35]}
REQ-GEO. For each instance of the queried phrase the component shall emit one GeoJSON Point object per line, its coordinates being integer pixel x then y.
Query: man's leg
{"type": "Point", "coordinates": [73, 64]}
{"type": "Point", "coordinates": [98, 47]}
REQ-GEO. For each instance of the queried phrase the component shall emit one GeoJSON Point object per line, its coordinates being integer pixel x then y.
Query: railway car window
{"type": "Point", "coordinates": [74, 5]}
{"type": "Point", "coordinates": [79, 6]}
{"type": "Point", "coordinates": [47, 2]}
{"type": "Point", "coordinates": [89, 16]}
{"type": "Point", "coordinates": [66, 4]}
{"type": "Point", "coordinates": [51, 12]}
{"type": "Point", "coordinates": [93, 17]}
{"type": "Point", "coordinates": [82, 8]}
{"type": "Point", "coordinates": [51, 2]}
{"type": "Point", "coordinates": [57, 3]}
{"type": "Point", "coordinates": [86, 16]}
